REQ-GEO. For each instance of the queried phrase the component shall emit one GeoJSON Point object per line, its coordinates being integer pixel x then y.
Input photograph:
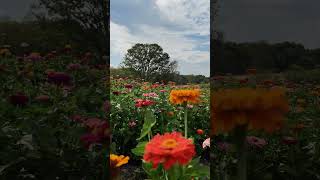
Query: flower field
{"type": "Point", "coordinates": [52, 116]}
{"type": "Point", "coordinates": [150, 123]}
{"type": "Point", "coordinates": [264, 127]}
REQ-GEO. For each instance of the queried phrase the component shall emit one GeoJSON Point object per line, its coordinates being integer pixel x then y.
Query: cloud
{"type": "Point", "coordinates": [191, 15]}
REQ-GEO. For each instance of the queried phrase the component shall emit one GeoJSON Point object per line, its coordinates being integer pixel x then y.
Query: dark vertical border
{"type": "Point", "coordinates": [106, 25]}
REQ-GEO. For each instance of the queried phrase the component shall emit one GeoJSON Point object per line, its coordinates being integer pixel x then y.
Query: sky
{"type": "Point", "coordinates": [180, 27]}
{"type": "Point", "coordinates": [271, 20]}
{"type": "Point", "coordinates": [15, 8]}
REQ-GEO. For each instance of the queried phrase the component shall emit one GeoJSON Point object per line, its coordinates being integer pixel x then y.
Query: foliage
{"type": "Point", "coordinates": [149, 62]}
{"type": "Point", "coordinates": [40, 139]}
{"type": "Point", "coordinates": [236, 58]}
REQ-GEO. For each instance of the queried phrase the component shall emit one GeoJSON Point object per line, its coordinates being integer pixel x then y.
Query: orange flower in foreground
{"type": "Point", "coordinates": [169, 149]}
{"type": "Point", "coordinates": [180, 96]}
{"type": "Point", "coordinates": [116, 162]}
{"type": "Point", "coordinates": [257, 108]}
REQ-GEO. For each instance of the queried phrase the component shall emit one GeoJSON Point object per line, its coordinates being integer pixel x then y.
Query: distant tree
{"type": "Point", "coordinates": [91, 15]}
{"type": "Point", "coordinates": [149, 62]}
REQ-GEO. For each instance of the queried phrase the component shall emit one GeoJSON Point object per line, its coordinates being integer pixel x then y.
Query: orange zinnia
{"type": "Point", "coordinates": [115, 162]}
{"type": "Point", "coordinates": [169, 149]}
{"type": "Point", "coordinates": [180, 96]}
{"type": "Point", "coordinates": [257, 108]}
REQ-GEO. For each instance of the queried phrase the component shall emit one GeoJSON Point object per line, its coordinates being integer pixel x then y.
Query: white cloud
{"type": "Point", "coordinates": [192, 15]}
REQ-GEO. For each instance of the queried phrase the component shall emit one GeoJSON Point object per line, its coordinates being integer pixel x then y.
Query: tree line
{"type": "Point", "coordinates": [236, 58]}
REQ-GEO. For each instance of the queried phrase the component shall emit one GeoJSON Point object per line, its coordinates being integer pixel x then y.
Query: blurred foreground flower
{"type": "Point", "coordinates": [256, 108]}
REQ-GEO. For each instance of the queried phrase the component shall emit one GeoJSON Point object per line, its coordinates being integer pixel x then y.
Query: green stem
{"type": "Point", "coordinates": [165, 174]}
{"type": "Point", "coordinates": [240, 137]}
{"type": "Point", "coordinates": [186, 122]}
{"type": "Point", "coordinates": [162, 123]}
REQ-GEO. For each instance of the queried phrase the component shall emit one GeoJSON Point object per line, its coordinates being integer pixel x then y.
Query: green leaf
{"type": "Point", "coordinates": [196, 169]}
{"type": "Point", "coordinates": [139, 149]}
{"type": "Point", "coordinates": [154, 174]}
{"type": "Point", "coordinates": [149, 122]}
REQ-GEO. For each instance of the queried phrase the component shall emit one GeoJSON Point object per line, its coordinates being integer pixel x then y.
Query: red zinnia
{"type": "Point", "coordinates": [169, 149]}
{"type": "Point", "coordinates": [200, 131]}
{"type": "Point", "coordinates": [59, 78]}
{"type": "Point", "coordinates": [128, 86]}
{"type": "Point", "coordinates": [143, 102]}
{"type": "Point", "coordinates": [19, 99]}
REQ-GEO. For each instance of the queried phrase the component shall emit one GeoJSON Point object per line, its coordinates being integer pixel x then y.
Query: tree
{"type": "Point", "coordinates": [149, 62]}
{"type": "Point", "coordinates": [91, 15]}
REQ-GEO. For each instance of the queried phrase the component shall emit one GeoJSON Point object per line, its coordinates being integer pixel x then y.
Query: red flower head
{"type": "Point", "coordinates": [289, 140]}
{"type": "Point", "coordinates": [116, 93]}
{"type": "Point", "coordinates": [128, 86]}
{"type": "Point", "coordinates": [200, 131]}
{"type": "Point", "coordinates": [143, 102]}
{"type": "Point", "coordinates": [169, 149]}
{"type": "Point", "coordinates": [59, 78]}
{"type": "Point", "coordinates": [19, 99]}
{"type": "Point", "coordinates": [256, 142]}
{"type": "Point", "coordinates": [89, 139]}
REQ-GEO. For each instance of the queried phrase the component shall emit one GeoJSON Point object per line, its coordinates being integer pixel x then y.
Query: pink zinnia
{"type": "Point", "coordinates": [206, 143]}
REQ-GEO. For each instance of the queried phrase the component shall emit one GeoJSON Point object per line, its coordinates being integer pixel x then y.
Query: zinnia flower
{"type": "Point", "coordinates": [184, 96]}
{"type": "Point", "coordinates": [206, 143]}
{"type": "Point", "coordinates": [59, 78]}
{"type": "Point", "coordinates": [256, 142]}
{"type": "Point", "coordinates": [116, 162]}
{"type": "Point", "coordinates": [169, 149]}
{"type": "Point", "coordinates": [34, 56]}
{"type": "Point", "coordinates": [289, 140]}
{"type": "Point", "coordinates": [143, 102]}
{"type": "Point", "coordinates": [19, 99]}
{"type": "Point", "coordinates": [257, 108]}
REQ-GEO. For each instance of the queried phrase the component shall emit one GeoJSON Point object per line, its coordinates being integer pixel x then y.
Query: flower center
{"type": "Point", "coordinates": [169, 143]}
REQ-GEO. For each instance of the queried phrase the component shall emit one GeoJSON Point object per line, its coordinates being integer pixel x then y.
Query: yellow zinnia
{"type": "Point", "coordinates": [180, 96]}
{"type": "Point", "coordinates": [256, 108]}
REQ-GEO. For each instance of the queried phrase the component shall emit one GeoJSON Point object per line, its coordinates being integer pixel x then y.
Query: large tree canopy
{"type": "Point", "coordinates": [149, 61]}
{"type": "Point", "coordinates": [91, 15]}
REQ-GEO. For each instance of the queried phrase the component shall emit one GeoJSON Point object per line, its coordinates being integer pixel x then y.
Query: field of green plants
{"type": "Point", "coordinates": [141, 110]}
{"type": "Point", "coordinates": [291, 151]}
{"type": "Point", "coordinates": [53, 113]}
